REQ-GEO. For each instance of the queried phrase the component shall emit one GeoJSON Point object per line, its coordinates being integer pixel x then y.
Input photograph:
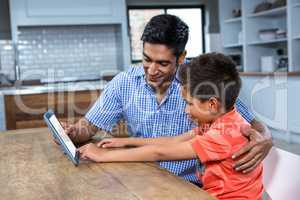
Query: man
{"type": "Point", "coordinates": [149, 99]}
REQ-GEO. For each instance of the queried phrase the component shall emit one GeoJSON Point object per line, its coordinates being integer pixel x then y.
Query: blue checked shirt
{"type": "Point", "coordinates": [129, 97]}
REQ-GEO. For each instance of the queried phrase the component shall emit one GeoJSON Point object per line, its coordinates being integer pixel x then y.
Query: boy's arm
{"type": "Point", "coordinates": [178, 151]}
{"type": "Point", "coordinates": [123, 142]}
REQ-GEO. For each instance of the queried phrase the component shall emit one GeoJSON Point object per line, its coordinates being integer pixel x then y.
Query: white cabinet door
{"type": "Point", "coordinates": [66, 12]}
{"type": "Point", "coordinates": [69, 8]}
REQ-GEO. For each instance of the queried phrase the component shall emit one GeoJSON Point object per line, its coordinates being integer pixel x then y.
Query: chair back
{"type": "Point", "coordinates": [282, 175]}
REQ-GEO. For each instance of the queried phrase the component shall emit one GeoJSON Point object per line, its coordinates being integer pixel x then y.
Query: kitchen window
{"type": "Point", "coordinates": [192, 16]}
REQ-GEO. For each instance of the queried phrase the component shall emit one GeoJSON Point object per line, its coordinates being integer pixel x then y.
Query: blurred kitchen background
{"type": "Point", "coordinates": [60, 54]}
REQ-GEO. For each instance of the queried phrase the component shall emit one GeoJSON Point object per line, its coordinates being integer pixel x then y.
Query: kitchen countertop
{"type": "Point", "coordinates": [54, 87]}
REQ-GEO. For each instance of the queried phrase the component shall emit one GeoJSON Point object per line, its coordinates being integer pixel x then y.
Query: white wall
{"type": "Point", "coordinates": [213, 42]}
{"type": "Point", "coordinates": [275, 101]}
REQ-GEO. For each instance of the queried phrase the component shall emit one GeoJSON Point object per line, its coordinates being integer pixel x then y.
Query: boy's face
{"type": "Point", "coordinates": [159, 64]}
{"type": "Point", "coordinates": [200, 111]}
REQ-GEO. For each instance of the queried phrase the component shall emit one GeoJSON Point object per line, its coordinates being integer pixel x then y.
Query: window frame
{"type": "Point", "coordinates": [165, 8]}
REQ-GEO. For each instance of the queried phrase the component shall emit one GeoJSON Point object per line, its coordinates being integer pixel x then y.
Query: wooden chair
{"type": "Point", "coordinates": [282, 175]}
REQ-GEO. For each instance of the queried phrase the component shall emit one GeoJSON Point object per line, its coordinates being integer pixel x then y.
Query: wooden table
{"type": "Point", "coordinates": [33, 167]}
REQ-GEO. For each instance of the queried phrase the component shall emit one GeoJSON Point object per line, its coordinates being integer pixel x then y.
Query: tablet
{"type": "Point", "coordinates": [60, 135]}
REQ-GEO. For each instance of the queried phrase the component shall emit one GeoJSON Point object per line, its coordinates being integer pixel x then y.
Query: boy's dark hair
{"type": "Point", "coordinates": [168, 30]}
{"type": "Point", "coordinates": [212, 75]}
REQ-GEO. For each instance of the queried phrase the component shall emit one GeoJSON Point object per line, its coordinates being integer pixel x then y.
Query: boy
{"type": "Point", "coordinates": [210, 86]}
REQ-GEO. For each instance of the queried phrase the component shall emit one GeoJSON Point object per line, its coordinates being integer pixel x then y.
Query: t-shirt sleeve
{"type": "Point", "coordinates": [212, 146]}
{"type": "Point", "coordinates": [107, 110]}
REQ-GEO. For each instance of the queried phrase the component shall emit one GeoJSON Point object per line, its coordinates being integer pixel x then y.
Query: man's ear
{"type": "Point", "coordinates": [184, 91]}
{"type": "Point", "coordinates": [181, 57]}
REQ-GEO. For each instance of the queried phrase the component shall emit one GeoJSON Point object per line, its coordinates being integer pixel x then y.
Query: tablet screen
{"type": "Point", "coordinates": [59, 129]}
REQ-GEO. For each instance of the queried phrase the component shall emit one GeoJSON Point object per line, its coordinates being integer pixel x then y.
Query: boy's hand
{"type": "Point", "coordinates": [254, 152]}
{"type": "Point", "coordinates": [112, 142]}
{"type": "Point", "coordinates": [90, 152]}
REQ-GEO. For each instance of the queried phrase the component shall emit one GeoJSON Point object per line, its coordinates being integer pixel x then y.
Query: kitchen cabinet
{"type": "Point", "coordinates": [269, 36]}
{"type": "Point", "coordinates": [2, 114]}
{"type": "Point", "coordinates": [42, 13]}
{"type": "Point", "coordinates": [26, 110]}
{"type": "Point", "coordinates": [55, 12]}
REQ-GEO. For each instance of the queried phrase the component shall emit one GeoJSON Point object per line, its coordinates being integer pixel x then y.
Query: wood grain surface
{"type": "Point", "coordinates": [33, 167]}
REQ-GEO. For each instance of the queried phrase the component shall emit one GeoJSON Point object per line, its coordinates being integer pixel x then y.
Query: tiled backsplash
{"type": "Point", "coordinates": [69, 52]}
{"type": "Point", "coordinates": [7, 59]}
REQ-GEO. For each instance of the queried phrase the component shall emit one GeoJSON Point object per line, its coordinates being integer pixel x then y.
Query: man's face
{"type": "Point", "coordinates": [159, 64]}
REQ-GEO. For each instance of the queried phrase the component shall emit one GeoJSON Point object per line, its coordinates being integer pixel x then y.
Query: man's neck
{"type": "Point", "coordinates": [162, 91]}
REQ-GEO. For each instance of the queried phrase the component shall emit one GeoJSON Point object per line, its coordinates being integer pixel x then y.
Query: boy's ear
{"type": "Point", "coordinates": [214, 105]}
{"type": "Point", "coordinates": [181, 57]}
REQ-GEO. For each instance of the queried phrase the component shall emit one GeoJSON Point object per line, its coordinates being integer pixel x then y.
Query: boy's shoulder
{"type": "Point", "coordinates": [228, 126]}
{"type": "Point", "coordinates": [231, 120]}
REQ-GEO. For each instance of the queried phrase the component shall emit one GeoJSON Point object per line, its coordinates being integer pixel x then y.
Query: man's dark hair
{"type": "Point", "coordinates": [168, 30]}
{"type": "Point", "coordinates": [212, 75]}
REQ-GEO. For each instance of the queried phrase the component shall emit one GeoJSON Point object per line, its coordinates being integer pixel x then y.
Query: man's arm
{"type": "Point", "coordinates": [256, 150]}
{"type": "Point", "coordinates": [178, 151]}
{"type": "Point", "coordinates": [260, 127]}
{"type": "Point", "coordinates": [105, 112]}
{"type": "Point", "coordinates": [123, 142]}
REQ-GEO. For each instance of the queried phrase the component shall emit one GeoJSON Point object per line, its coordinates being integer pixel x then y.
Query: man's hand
{"type": "Point", "coordinates": [254, 152]}
{"type": "Point", "coordinates": [70, 130]}
{"type": "Point", "coordinates": [112, 142]}
{"type": "Point", "coordinates": [80, 132]}
{"type": "Point", "coordinates": [90, 152]}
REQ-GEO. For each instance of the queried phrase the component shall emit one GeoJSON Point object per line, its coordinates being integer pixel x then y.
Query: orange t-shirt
{"type": "Point", "coordinates": [214, 148]}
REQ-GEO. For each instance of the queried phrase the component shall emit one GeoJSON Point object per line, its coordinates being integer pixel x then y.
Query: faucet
{"type": "Point", "coordinates": [16, 61]}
